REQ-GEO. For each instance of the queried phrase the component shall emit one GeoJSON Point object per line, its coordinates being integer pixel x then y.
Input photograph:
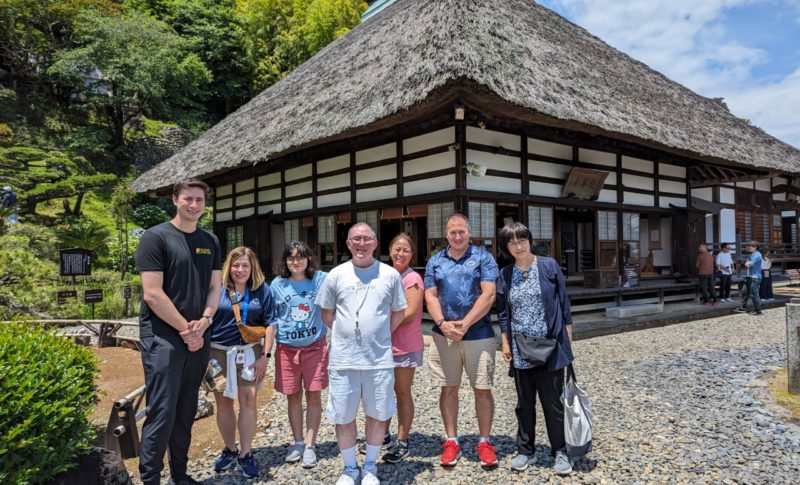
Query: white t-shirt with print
{"type": "Point", "coordinates": [373, 293]}
{"type": "Point", "coordinates": [724, 260]}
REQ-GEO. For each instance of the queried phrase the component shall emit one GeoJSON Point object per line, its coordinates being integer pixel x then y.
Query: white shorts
{"type": "Point", "coordinates": [348, 387]}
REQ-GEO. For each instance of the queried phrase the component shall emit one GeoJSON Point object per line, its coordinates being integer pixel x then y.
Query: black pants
{"type": "Point", "coordinates": [724, 286]}
{"type": "Point", "coordinates": [173, 376]}
{"type": "Point", "coordinates": [765, 290]}
{"type": "Point", "coordinates": [548, 385]}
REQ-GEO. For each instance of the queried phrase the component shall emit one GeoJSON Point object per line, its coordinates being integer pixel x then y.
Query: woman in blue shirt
{"type": "Point", "coordinates": [231, 356]}
{"type": "Point", "coordinates": [532, 300]}
{"type": "Point", "coordinates": [301, 357]}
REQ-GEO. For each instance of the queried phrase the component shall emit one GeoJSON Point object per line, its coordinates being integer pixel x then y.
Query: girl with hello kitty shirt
{"type": "Point", "coordinates": [301, 356]}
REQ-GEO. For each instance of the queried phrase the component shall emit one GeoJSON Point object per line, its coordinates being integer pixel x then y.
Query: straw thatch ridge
{"type": "Point", "coordinates": [519, 51]}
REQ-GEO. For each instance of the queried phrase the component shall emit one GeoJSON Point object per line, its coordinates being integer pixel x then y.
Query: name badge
{"type": "Point", "coordinates": [240, 357]}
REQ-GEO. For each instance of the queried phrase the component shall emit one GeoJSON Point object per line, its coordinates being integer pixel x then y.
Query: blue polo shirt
{"type": "Point", "coordinates": [458, 283]}
{"type": "Point", "coordinates": [755, 259]}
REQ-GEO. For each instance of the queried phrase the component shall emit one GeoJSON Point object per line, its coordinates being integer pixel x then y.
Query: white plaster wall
{"type": "Point", "coordinates": [599, 158]}
{"type": "Point", "coordinates": [663, 257]}
{"type": "Point", "coordinates": [709, 228]}
{"type": "Point", "coordinates": [492, 138]}
{"type": "Point", "coordinates": [433, 185]}
{"type": "Point", "coordinates": [333, 182]}
{"type": "Point", "coordinates": [671, 170]}
{"type": "Point", "coordinates": [779, 181]}
{"type": "Point", "coordinates": [376, 193]}
{"type": "Point", "coordinates": [269, 179]}
{"type": "Point", "coordinates": [672, 186]}
{"type": "Point", "coordinates": [299, 205]}
{"type": "Point", "coordinates": [223, 204]}
{"type": "Point", "coordinates": [638, 199]}
{"type": "Point", "coordinates": [705, 193]}
{"type": "Point", "coordinates": [666, 201]}
{"type": "Point", "coordinates": [494, 184]}
{"type": "Point", "coordinates": [727, 196]}
{"type": "Point", "coordinates": [434, 139]}
{"type": "Point", "coordinates": [331, 164]}
{"type": "Point", "coordinates": [495, 162]}
{"type": "Point", "coordinates": [298, 172]}
{"type": "Point", "coordinates": [727, 225]}
{"type": "Point", "coordinates": [243, 185]}
{"type": "Point", "coordinates": [545, 190]}
{"type": "Point", "coordinates": [270, 194]}
{"type": "Point", "coordinates": [778, 196]}
{"type": "Point", "coordinates": [223, 216]}
{"type": "Point", "coordinates": [376, 174]}
{"type": "Point", "coordinates": [245, 199]}
{"type": "Point", "coordinates": [242, 213]}
{"type": "Point", "coordinates": [299, 189]}
{"type": "Point", "coordinates": [430, 163]}
{"type": "Point", "coordinates": [763, 184]}
{"type": "Point", "coordinates": [549, 149]}
{"type": "Point", "coordinates": [224, 190]}
{"type": "Point", "coordinates": [552, 170]}
{"type": "Point", "coordinates": [639, 164]}
{"type": "Point", "coordinates": [637, 182]}
{"type": "Point", "coordinates": [330, 200]}
{"type": "Point", "coordinates": [265, 209]}
{"type": "Point", "coordinates": [607, 196]}
{"type": "Point", "coordinates": [378, 153]}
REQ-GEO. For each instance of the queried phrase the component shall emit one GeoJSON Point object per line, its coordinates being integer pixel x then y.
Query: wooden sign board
{"type": "Point", "coordinates": [61, 296]}
{"type": "Point", "coordinates": [126, 291]}
{"type": "Point", "coordinates": [93, 296]}
{"type": "Point", "coordinates": [75, 262]}
{"type": "Point", "coordinates": [584, 184]}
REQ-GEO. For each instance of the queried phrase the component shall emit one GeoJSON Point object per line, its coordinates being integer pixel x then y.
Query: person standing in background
{"type": "Point", "coordinates": [725, 267]}
{"type": "Point", "coordinates": [765, 290]}
{"type": "Point", "coordinates": [753, 281]}
{"type": "Point", "coordinates": [705, 275]}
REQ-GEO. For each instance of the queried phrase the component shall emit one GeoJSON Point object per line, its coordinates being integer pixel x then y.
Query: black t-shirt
{"type": "Point", "coordinates": [186, 260]}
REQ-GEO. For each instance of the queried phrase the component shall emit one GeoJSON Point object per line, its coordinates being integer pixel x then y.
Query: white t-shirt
{"type": "Point", "coordinates": [724, 260]}
{"type": "Point", "coordinates": [372, 293]}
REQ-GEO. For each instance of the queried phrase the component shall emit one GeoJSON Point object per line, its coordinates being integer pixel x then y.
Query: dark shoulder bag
{"type": "Point", "coordinates": [534, 350]}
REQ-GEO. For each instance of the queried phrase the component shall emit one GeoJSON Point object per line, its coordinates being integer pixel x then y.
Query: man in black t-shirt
{"type": "Point", "coordinates": [180, 266]}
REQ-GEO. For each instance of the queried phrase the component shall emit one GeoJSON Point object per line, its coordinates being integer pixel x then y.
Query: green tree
{"type": "Point", "coordinates": [136, 64]}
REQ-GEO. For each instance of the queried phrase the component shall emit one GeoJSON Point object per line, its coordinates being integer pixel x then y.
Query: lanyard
{"type": "Point", "coordinates": [244, 303]}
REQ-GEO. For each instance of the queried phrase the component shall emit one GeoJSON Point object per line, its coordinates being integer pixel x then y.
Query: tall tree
{"type": "Point", "coordinates": [129, 65]}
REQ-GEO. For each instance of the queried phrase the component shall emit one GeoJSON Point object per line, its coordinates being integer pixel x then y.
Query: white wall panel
{"type": "Point", "coordinates": [265, 209]}
{"type": "Point", "coordinates": [330, 200]}
{"type": "Point", "coordinates": [299, 189]}
{"type": "Point", "coordinates": [779, 181]}
{"type": "Point", "coordinates": [244, 185]}
{"type": "Point", "coordinates": [727, 196]}
{"type": "Point", "coordinates": [666, 201]}
{"type": "Point", "coordinates": [494, 162]}
{"type": "Point", "coordinates": [269, 179]}
{"type": "Point", "coordinates": [376, 174]}
{"type": "Point", "coordinates": [779, 197]}
{"type": "Point", "coordinates": [223, 216]}
{"type": "Point", "coordinates": [727, 225]}
{"type": "Point", "coordinates": [434, 139]}
{"type": "Point", "coordinates": [494, 184]}
{"type": "Point", "coordinates": [639, 164]}
{"type": "Point", "coordinates": [544, 189]}
{"type": "Point", "coordinates": [378, 153]}
{"type": "Point", "coordinates": [376, 193]}
{"type": "Point", "coordinates": [335, 163]}
{"type": "Point", "coordinates": [245, 199]}
{"type": "Point", "coordinates": [705, 193]}
{"type": "Point", "coordinates": [224, 190]}
{"type": "Point", "coordinates": [599, 158]}
{"type": "Point", "coordinates": [492, 138]}
{"type": "Point", "coordinates": [709, 228]}
{"type": "Point", "coordinates": [549, 149]}
{"type": "Point", "coordinates": [763, 184]}
{"type": "Point", "coordinates": [429, 186]}
{"type": "Point", "coordinates": [552, 170]}
{"type": "Point", "coordinates": [299, 205]}
{"type": "Point", "coordinates": [222, 204]}
{"type": "Point", "coordinates": [611, 179]}
{"type": "Point", "coordinates": [270, 194]}
{"type": "Point", "coordinates": [671, 170]}
{"type": "Point", "coordinates": [298, 172]}
{"type": "Point", "coordinates": [430, 163]}
{"type": "Point", "coordinates": [663, 257]}
{"type": "Point", "coordinates": [646, 200]}
{"type": "Point", "coordinates": [607, 196]}
{"type": "Point", "coordinates": [671, 186]}
{"type": "Point", "coordinates": [637, 182]}
{"type": "Point", "coordinates": [242, 213]}
{"type": "Point", "coordinates": [334, 182]}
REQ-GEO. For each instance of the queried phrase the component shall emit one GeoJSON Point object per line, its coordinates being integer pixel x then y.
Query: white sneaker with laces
{"type": "Point", "coordinates": [370, 474]}
{"type": "Point", "coordinates": [562, 466]}
{"type": "Point", "coordinates": [349, 476]}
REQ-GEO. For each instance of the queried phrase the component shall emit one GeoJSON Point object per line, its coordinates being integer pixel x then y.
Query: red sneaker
{"type": "Point", "coordinates": [486, 452]}
{"type": "Point", "coordinates": [451, 453]}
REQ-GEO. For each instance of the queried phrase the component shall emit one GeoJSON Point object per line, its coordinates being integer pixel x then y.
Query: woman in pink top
{"type": "Point", "coordinates": [407, 344]}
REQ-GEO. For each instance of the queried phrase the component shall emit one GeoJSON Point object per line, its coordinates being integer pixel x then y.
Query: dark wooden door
{"type": "Point", "coordinates": [688, 231]}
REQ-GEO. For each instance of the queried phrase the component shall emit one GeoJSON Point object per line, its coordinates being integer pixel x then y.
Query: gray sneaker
{"type": "Point", "coordinates": [349, 476]}
{"type": "Point", "coordinates": [295, 453]}
{"type": "Point", "coordinates": [563, 465]}
{"type": "Point", "coordinates": [521, 462]}
{"type": "Point", "coordinates": [309, 457]}
{"type": "Point", "coordinates": [369, 474]}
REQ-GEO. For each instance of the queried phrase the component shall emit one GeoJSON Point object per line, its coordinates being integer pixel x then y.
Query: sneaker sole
{"type": "Point", "coordinates": [246, 475]}
{"type": "Point", "coordinates": [398, 460]}
{"type": "Point", "coordinates": [454, 462]}
{"type": "Point", "coordinates": [292, 460]}
{"type": "Point", "coordinates": [225, 468]}
{"type": "Point", "coordinates": [310, 465]}
{"type": "Point", "coordinates": [488, 465]}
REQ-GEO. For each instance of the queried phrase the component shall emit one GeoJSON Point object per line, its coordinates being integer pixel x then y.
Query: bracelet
{"type": "Point", "coordinates": [440, 322]}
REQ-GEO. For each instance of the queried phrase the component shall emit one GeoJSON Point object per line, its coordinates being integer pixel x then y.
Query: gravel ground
{"type": "Point", "coordinates": [677, 404]}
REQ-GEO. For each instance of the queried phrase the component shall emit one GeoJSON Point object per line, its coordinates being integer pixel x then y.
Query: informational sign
{"type": "Point", "coordinates": [93, 296]}
{"type": "Point", "coordinates": [62, 296]}
{"type": "Point", "coordinates": [75, 262]}
{"type": "Point", "coordinates": [126, 291]}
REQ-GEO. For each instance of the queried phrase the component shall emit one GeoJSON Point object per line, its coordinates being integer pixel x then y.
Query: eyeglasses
{"type": "Point", "coordinates": [295, 259]}
{"type": "Point", "coordinates": [520, 243]}
{"type": "Point", "coordinates": [362, 239]}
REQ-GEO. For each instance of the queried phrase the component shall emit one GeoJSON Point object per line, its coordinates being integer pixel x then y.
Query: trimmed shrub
{"type": "Point", "coordinates": [149, 215]}
{"type": "Point", "coordinates": [47, 389]}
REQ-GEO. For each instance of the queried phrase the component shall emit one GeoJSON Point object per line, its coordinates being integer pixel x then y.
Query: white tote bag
{"type": "Point", "coordinates": [578, 417]}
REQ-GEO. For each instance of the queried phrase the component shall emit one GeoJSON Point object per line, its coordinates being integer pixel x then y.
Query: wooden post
{"type": "Point", "coordinates": [793, 344]}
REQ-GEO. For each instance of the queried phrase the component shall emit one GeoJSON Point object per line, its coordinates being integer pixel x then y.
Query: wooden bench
{"type": "Point", "coordinates": [793, 275]}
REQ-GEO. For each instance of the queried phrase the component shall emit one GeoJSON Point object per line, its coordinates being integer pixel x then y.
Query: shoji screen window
{"type": "Point", "coordinates": [540, 223]}
{"type": "Point", "coordinates": [326, 228]}
{"type": "Point", "coordinates": [481, 219]}
{"type": "Point", "coordinates": [607, 239]}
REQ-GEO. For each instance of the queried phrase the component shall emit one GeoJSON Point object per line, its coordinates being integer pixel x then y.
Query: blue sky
{"type": "Point", "coordinates": [746, 51]}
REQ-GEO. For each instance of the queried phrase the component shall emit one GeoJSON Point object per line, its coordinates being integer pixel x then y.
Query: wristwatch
{"type": "Point", "coordinates": [210, 320]}
{"type": "Point", "coordinates": [267, 355]}
{"type": "Point", "coordinates": [440, 322]}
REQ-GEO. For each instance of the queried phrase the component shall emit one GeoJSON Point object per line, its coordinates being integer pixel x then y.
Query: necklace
{"type": "Point", "coordinates": [363, 300]}
{"type": "Point", "coordinates": [527, 271]}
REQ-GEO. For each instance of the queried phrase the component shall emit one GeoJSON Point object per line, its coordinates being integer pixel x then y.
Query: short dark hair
{"type": "Point", "coordinates": [755, 244]}
{"type": "Point", "coordinates": [302, 250]}
{"type": "Point", "coordinates": [190, 183]}
{"type": "Point", "coordinates": [724, 246]}
{"type": "Point", "coordinates": [509, 232]}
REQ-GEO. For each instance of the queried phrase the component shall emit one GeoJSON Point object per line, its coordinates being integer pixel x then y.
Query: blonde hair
{"type": "Point", "coordinates": [256, 275]}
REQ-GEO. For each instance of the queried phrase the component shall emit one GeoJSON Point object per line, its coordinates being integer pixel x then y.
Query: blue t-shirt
{"type": "Point", "coordinates": [259, 313]}
{"type": "Point", "coordinates": [298, 318]}
{"type": "Point", "coordinates": [459, 286]}
{"type": "Point", "coordinates": [755, 259]}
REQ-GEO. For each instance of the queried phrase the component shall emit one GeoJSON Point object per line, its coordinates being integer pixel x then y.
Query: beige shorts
{"type": "Point", "coordinates": [447, 360]}
{"type": "Point", "coordinates": [222, 360]}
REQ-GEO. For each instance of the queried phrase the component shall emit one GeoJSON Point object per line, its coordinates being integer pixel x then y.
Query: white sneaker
{"type": "Point", "coordinates": [309, 457]}
{"type": "Point", "coordinates": [349, 476]}
{"type": "Point", "coordinates": [369, 475]}
{"type": "Point", "coordinates": [562, 466]}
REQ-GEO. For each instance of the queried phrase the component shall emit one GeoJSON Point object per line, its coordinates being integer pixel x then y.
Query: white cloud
{"type": "Point", "coordinates": [689, 43]}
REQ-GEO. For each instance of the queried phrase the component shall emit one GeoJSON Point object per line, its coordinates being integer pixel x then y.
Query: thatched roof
{"type": "Point", "coordinates": [518, 52]}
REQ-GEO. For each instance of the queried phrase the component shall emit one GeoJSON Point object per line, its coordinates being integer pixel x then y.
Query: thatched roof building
{"type": "Point", "coordinates": [515, 55]}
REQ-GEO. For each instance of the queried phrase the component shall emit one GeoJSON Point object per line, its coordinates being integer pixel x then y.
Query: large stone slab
{"type": "Point", "coordinates": [634, 310]}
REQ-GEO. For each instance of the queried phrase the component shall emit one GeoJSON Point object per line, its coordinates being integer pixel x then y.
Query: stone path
{"type": "Point", "coordinates": [677, 404]}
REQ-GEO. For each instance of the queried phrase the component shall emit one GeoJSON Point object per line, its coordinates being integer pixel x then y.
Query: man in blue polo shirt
{"type": "Point", "coordinates": [460, 284]}
{"type": "Point", "coordinates": [753, 280]}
